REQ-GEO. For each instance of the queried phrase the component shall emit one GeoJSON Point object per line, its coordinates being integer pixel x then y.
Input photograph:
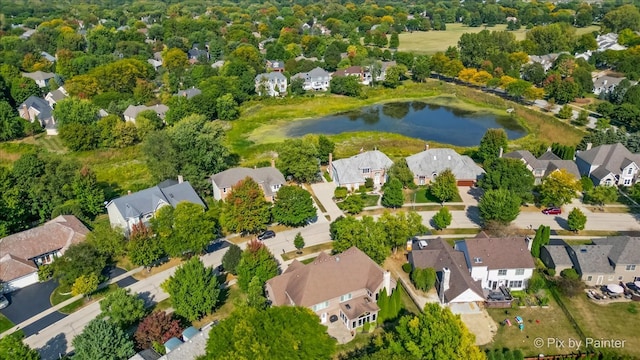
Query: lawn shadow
{"type": "Point", "coordinates": [55, 348]}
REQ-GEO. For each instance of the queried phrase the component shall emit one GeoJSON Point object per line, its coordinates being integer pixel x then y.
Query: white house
{"type": "Point", "coordinates": [497, 262]}
{"type": "Point", "coordinates": [55, 96]}
{"type": "Point", "coordinates": [352, 172]}
{"type": "Point", "coordinates": [317, 79]}
{"type": "Point", "coordinates": [271, 84]}
{"type": "Point", "coordinates": [610, 164]}
{"type": "Point", "coordinates": [132, 111]}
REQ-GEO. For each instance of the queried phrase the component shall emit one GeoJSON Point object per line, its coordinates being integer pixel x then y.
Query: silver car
{"type": "Point", "coordinates": [3, 302]}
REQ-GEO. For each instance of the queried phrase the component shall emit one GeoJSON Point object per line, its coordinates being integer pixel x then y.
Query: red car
{"type": "Point", "coordinates": [552, 211]}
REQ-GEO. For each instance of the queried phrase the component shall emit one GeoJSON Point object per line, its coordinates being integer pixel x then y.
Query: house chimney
{"type": "Point", "coordinates": [549, 149]}
{"type": "Point", "coordinates": [273, 163]}
{"type": "Point", "coordinates": [529, 242]}
{"type": "Point", "coordinates": [386, 279]}
{"type": "Point", "coordinates": [180, 179]}
{"type": "Point", "coordinates": [25, 110]}
{"type": "Point", "coordinates": [426, 147]}
{"type": "Point", "coordinates": [501, 152]}
{"type": "Point", "coordinates": [446, 277]}
{"type": "Point", "coordinates": [589, 145]}
{"type": "Point", "coordinates": [330, 165]}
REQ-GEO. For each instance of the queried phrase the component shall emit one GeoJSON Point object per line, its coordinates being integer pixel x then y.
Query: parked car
{"type": "Point", "coordinates": [552, 211]}
{"type": "Point", "coordinates": [267, 235]}
{"type": "Point", "coordinates": [4, 302]}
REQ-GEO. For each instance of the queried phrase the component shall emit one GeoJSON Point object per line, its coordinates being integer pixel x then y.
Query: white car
{"type": "Point", "coordinates": [3, 302]}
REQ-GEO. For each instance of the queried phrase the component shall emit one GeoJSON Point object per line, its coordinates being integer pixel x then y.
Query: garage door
{"type": "Point", "coordinates": [24, 281]}
{"type": "Point", "coordinates": [465, 182]}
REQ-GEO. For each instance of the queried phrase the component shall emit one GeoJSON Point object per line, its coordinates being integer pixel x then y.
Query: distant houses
{"type": "Point", "coordinates": [38, 109]}
{"type": "Point", "coordinates": [271, 84]}
{"type": "Point", "coordinates": [610, 164]}
{"type": "Point", "coordinates": [544, 165]}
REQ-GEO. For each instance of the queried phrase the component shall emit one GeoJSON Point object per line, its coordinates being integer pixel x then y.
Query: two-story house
{"type": "Point", "coordinates": [343, 287]}
{"type": "Point", "coordinates": [275, 65]}
{"type": "Point", "coordinates": [604, 261]}
{"type": "Point", "coordinates": [139, 207]}
{"type": "Point", "coordinates": [269, 179]}
{"type": "Point", "coordinates": [55, 96]}
{"type": "Point", "coordinates": [317, 79]}
{"type": "Point", "coordinates": [271, 84]}
{"type": "Point", "coordinates": [352, 172]}
{"type": "Point", "coordinates": [544, 165]}
{"type": "Point", "coordinates": [427, 164]}
{"type": "Point", "coordinates": [498, 262]}
{"type": "Point", "coordinates": [610, 164]}
{"type": "Point", "coordinates": [356, 71]}
{"type": "Point", "coordinates": [35, 108]}
{"type": "Point", "coordinates": [41, 78]}
{"type": "Point", "coordinates": [21, 254]}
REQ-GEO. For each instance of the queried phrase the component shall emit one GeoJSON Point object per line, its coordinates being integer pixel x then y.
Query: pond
{"type": "Point", "coordinates": [415, 119]}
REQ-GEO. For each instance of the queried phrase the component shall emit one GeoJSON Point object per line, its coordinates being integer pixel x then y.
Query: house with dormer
{"type": "Point", "coordinates": [352, 172]}
{"type": "Point", "coordinates": [38, 109]}
{"type": "Point", "coordinates": [317, 79]}
{"type": "Point", "coordinates": [427, 164]}
{"type": "Point", "coordinates": [139, 207]}
{"type": "Point", "coordinates": [544, 165]}
{"type": "Point", "coordinates": [343, 287]}
{"type": "Point", "coordinates": [269, 179]}
{"type": "Point", "coordinates": [609, 164]}
{"type": "Point", "coordinates": [271, 84]}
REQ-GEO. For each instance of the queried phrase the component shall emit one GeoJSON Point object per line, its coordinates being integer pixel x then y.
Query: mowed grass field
{"type": "Point", "coordinates": [430, 42]}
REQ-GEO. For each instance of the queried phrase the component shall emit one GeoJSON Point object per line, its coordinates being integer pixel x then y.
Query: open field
{"type": "Point", "coordinates": [430, 42]}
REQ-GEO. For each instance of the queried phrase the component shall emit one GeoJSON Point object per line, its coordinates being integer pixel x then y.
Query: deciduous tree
{"type": "Point", "coordinates": [144, 248]}
{"type": "Point", "coordinates": [85, 285]}
{"type": "Point", "coordinates": [293, 206]}
{"type": "Point", "coordinates": [12, 347]}
{"type": "Point", "coordinates": [490, 144]}
{"type": "Point", "coordinates": [353, 204]}
{"type": "Point", "coordinates": [423, 279]}
{"type": "Point", "coordinates": [499, 205]}
{"type": "Point", "coordinates": [298, 159]}
{"type": "Point", "coordinates": [122, 308]}
{"type": "Point", "coordinates": [576, 220]}
{"type": "Point", "coordinates": [444, 186]}
{"type": "Point", "coordinates": [102, 339]}
{"type": "Point", "coordinates": [442, 219]}
{"type": "Point", "coordinates": [509, 174]}
{"type": "Point", "coordinates": [298, 242]}
{"type": "Point", "coordinates": [255, 294]}
{"type": "Point", "coordinates": [157, 327]}
{"type": "Point", "coordinates": [257, 261]}
{"type": "Point", "coordinates": [246, 209]}
{"type": "Point", "coordinates": [559, 188]}
{"type": "Point", "coordinates": [79, 259]}
{"type": "Point", "coordinates": [325, 147]}
{"type": "Point", "coordinates": [393, 196]}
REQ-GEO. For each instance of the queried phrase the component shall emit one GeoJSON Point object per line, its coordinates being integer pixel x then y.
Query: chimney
{"type": "Point", "coordinates": [446, 276]}
{"type": "Point", "coordinates": [128, 192]}
{"type": "Point", "coordinates": [386, 279]}
{"type": "Point", "coordinates": [529, 242]}
{"type": "Point", "coordinates": [25, 110]}
{"type": "Point", "coordinates": [426, 147]}
{"type": "Point", "coordinates": [501, 152]}
{"type": "Point", "coordinates": [273, 163]}
{"type": "Point", "coordinates": [549, 149]}
{"type": "Point", "coordinates": [180, 179]}
{"type": "Point", "coordinates": [589, 145]}
{"type": "Point", "coordinates": [330, 165]}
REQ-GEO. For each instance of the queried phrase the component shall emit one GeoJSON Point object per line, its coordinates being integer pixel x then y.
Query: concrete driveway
{"type": "Point", "coordinates": [324, 192]}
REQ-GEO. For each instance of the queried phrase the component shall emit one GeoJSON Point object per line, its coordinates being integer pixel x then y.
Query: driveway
{"type": "Point", "coordinates": [28, 302]}
{"type": "Point", "coordinates": [324, 192]}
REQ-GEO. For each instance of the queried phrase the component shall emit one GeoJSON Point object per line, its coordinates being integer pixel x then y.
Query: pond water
{"type": "Point", "coordinates": [414, 119]}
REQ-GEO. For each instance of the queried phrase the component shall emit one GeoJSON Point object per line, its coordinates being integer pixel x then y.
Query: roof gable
{"type": "Point", "coordinates": [265, 176]}
{"type": "Point", "coordinates": [499, 253]}
{"type": "Point", "coordinates": [431, 161]}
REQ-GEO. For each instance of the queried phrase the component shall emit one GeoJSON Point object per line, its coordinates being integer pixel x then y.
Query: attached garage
{"type": "Point", "coordinates": [466, 182]}
{"type": "Point", "coordinates": [21, 282]}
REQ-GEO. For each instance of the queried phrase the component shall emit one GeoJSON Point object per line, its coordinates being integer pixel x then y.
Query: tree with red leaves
{"type": "Point", "coordinates": [158, 327]}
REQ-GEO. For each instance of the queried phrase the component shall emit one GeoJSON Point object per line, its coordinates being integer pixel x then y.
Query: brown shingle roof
{"type": "Point", "coordinates": [500, 253]}
{"type": "Point", "coordinates": [327, 277]}
{"type": "Point", "coordinates": [12, 267]}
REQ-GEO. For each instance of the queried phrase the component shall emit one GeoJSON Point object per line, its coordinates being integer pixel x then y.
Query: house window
{"type": "Point", "coordinates": [345, 297]}
{"type": "Point", "coordinates": [477, 260]}
{"type": "Point", "coordinates": [631, 268]}
{"type": "Point", "coordinates": [276, 187]}
{"type": "Point", "coordinates": [369, 294]}
{"type": "Point", "coordinates": [630, 171]}
{"type": "Point", "coordinates": [366, 171]}
{"type": "Point", "coordinates": [515, 284]}
{"type": "Point", "coordinates": [502, 272]}
{"type": "Point", "coordinates": [627, 181]}
{"type": "Point", "coordinates": [318, 307]}
{"type": "Point", "coordinates": [519, 271]}
{"type": "Point", "coordinates": [589, 278]}
{"type": "Point", "coordinates": [224, 190]}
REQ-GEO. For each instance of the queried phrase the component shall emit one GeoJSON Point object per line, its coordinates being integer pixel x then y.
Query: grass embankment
{"type": "Point", "coordinates": [430, 42]}
{"type": "Point", "coordinates": [5, 324]}
{"type": "Point", "coordinates": [307, 250]}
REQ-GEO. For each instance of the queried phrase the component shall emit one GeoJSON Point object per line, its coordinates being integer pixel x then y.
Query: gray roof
{"type": "Point", "coordinates": [608, 81]}
{"type": "Point", "coordinates": [432, 161]}
{"type": "Point", "coordinates": [39, 104]}
{"type": "Point", "coordinates": [559, 255]}
{"type": "Point", "coordinates": [133, 110]}
{"type": "Point", "coordinates": [548, 162]}
{"type": "Point", "coordinates": [265, 176]}
{"type": "Point", "coordinates": [193, 348]}
{"type": "Point", "coordinates": [438, 254]}
{"type": "Point", "coordinates": [593, 258]}
{"type": "Point", "coordinates": [48, 56]}
{"type": "Point", "coordinates": [147, 201]}
{"type": "Point", "coordinates": [625, 250]}
{"type": "Point", "coordinates": [609, 158]}
{"type": "Point", "coordinates": [316, 73]}
{"type": "Point", "coordinates": [189, 93]}
{"type": "Point", "coordinates": [271, 76]}
{"type": "Point", "coordinates": [39, 75]}
{"type": "Point", "coordinates": [146, 354]}
{"type": "Point", "coordinates": [58, 94]}
{"type": "Point", "coordinates": [349, 170]}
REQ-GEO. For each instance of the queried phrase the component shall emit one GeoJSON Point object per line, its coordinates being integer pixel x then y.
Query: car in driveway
{"type": "Point", "coordinates": [552, 211]}
{"type": "Point", "coordinates": [4, 302]}
{"type": "Point", "coordinates": [267, 235]}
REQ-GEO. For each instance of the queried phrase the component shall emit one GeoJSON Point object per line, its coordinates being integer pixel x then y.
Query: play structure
{"type": "Point", "coordinates": [520, 323]}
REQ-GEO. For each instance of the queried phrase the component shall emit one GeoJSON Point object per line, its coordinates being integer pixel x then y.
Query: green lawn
{"type": "Point", "coordinates": [5, 324]}
{"type": "Point", "coordinates": [60, 294]}
{"type": "Point", "coordinates": [370, 200]}
{"type": "Point", "coordinates": [423, 195]}
{"type": "Point", "coordinates": [430, 42]}
{"type": "Point", "coordinates": [308, 250]}
{"type": "Point", "coordinates": [96, 296]}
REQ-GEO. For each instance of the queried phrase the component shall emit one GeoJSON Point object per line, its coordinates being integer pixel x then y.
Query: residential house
{"type": "Point", "coordinates": [196, 54]}
{"type": "Point", "coordinates": [134, 208]}
{"type": "Point", "coordinates": [384, 65]}
{"type": "Point", "coordinates": [356, 71]}
{"type": "Point", "coordinates": [40, 77]}
{"type": "Point", "coordinates": [604, 261]}
{"type": "Point", "coordinates": [262, 44]}
{"type": "Point", "coordinates": [609, 42]}
{"type": "Point", "coordinates": [269, 179]}
{"type": "Point", "coordinates": [498, 262]}
{"type": "Point", "coordinates": [545, 60]}
{"type": "Point", "coordinates": [27, 33]}
{"type": "Point", "coordinates": [344, 285]}
{"type": "Point", "coordinates": [55, 96]}
{"type": "Point", "coordinates": [555, 256]}
{"type": "Point", "coordinates": [218, 64]}
{"type": "Point", "coordinates": [271, 84]}
{"type": "Point", "coordinates": [35, 108]}
{"type": "Point", "coordinates": [352, 172]}
{"type": "Point", "coordinates": [188, 93]}
{"type": "Point", "coordinates": [23, 253]}
{"type": "Point", "coordinates": [610, 164]}
{"type": "Point", "coordinates": [50, 58]}
{"type": "Point", "coordinates": [604, 84]}
{"type": "Point", "coordinates": [454, 283]}
{"type": "Point", "coordinates": [544, 165]}
{"type": "Point", "coordinates": [317, 79]}
{"type": "Point", "coordinates": [275, 65]}
{"type": "Point", "coordinates": [426, 165]}
{"type": "Point", "coordinates": [132, 111]}
{"type": "Point", "coordinates": [192, 345]}
{"type": "Point", "coordinates": [155, 63]}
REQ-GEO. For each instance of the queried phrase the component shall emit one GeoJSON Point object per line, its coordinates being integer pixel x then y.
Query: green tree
{"type": "Point", "coordinates": [401, 227]}
{"type": "Point", "coordinates": [444, 186]}
{"type": "Point", "coordinates": [490, 144]}
{"type": "Point", "coordinates": [79, 259]}
{"type": "Point", "coordinates": [539, 240]}
{"type": "Point", "coordinates": [509, 174]}
{"type": "Point", "coordinates": [298, 242]}
{"type": "Point", "coordinates": [255, 294]}
{"type": "Point", "coordinates": [353, 204]}
{"type": "Point", "coordinates": [246, 209]}
{"type": "Point", "coordinates": [194, 229]}
{"type": "Point", "coordinates": [423, 279]}
{"type": "Point", "coordinates": [332, 56]}
{"type": "Point", "coordinates": [345, 85]}
{"type": "Point", "coordinates": [421, 68]}
{"type": "Point", "coordinates": [559, 188]}
{"type": "Point", "coordinates": [194, 290]}
{"type": "Point", "coordinates": [11, 125]}
{"type": "Point", "coordinates": [400, 170]}
{"type": "Point", "coordinates": [293, 206]}
{"type": "Point", "coordinates": [624, 17]}
{"type": "Point", "coordinates": [298, 159]}
{"type": "Point", "coordinates": [144, 248]}
{"type": "Point", "coordinates": [500, 205]}
{"type": "Point", "coordinates": [122, 308]}
{"type": "Point", "coordinates": [366, 234]}
{"type": "Point", "coordinates": [442, 219]}
{"type": "Point", "coordinates": [325, 147]}
{"type": "Point", "coordinates": [600, 195]}
{"type": "Point", "coordinates": [88, 193]}
{"type": "Point", "coordinates": [12, 347]}
{"type": "Point", "coordinates": [394, 41]}
{"type": "Point", "coordinates": [272, 333]}
{"type": "Point", "coordinates": [256, 261]}
{"type": "Point", "coordinates": [565, 112]}
{"type": "Point", "coordinates": [85, 285]}
{"type": "Point", "coordinates": [297, 86]}
{"type": "Point", "coordinates": [576, 220]}
{"type": "Point", "coordinates": [394, 76]}
{"type": "Point", "coordinates": [227, 107]}
{"type": "Point", "coordinates": [101, 339]}
{"type": "Point", "coordinates": [108, 241]}
{"type": "Point", "coordinates": [393, 196]}
{"type": "Point", "coordinates": [231, 259]}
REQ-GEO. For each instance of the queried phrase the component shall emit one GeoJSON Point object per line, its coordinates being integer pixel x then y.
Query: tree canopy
{"type": "Point", "coordinates": [499, 205]}
{"type": "Point", "coordinates": [293, 206]}
{"type": "Point", "coordinates": [101, 339]}
{"type": "Point", "coordinates": [122, 308]}
{"type": "Point", "coordinates": [509, 174]}
{"type": "Point", "coordinates": [256, 261]}
{"type": "Point", "coordinates": [246, 209]}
